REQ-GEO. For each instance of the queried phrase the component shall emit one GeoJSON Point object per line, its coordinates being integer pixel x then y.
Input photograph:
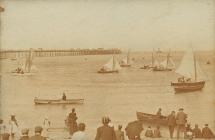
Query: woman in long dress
{"type": "Point", "coordinates": [13, 126]}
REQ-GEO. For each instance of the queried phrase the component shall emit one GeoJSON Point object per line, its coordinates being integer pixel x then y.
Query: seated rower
{"type": "Point", "coordinates": [159, 115]}
{"type": "Point", "coordinates": [64, 97]}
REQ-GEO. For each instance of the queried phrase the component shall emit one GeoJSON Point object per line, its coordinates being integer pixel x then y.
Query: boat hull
{"type": "Point", "coordinates": [125, 65]}
{"type": "Point", "coordinates": [188, 86]}
{"type": "Point", "coordinates": [114, 71]}
{"type": "Point", "coordinates": [152, 119]}
{"type": "Point", "coordinates": [68, 101]}
{"type": "Point", "coordinates": [161, 69]}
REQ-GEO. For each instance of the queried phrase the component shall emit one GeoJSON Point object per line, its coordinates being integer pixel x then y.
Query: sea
{"type": "Point", "coordinates": [117, 95]}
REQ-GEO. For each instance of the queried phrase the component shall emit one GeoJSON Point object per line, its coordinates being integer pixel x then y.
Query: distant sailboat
{"type": "Point", "coordinates": [27, 67]}
{"type": "Point", "coordinates": [153, 64]}
{"type": "Point", "coordinates": [166, 65]}
{"type": "Point", "coordinates": [192, 76]}
{"type": "Point", "coordinates": [112, 66]}
{"type": "Point", "coordinates": [126, 62]}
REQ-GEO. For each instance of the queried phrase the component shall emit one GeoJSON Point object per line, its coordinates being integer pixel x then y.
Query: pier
{"type": "Point", "coordinates": [57, 52]}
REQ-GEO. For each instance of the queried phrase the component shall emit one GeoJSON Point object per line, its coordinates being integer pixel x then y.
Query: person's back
{"type": "Point", "coordinates": [24, 138]}
{"type": "Point", "coordinates": [157, 133]}
{"type": "Point", "coordinates": [197, 133]}
{"type": "Point", "coordinates": [105, 132]}
{"type": "Point", "coordinates": [119, 133]}
{"type": "Point", "coordinates": [80, 134]}
{"type": "Point", "coordinates": [207, 133]}
{"type": "Point", "coordinates": [37, 137]}
{"type": "Point", "coordinates": [181, 118]}
{"type": "Point", "coordinates": [149, 132]}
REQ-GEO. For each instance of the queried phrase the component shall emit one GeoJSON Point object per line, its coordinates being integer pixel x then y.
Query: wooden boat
{"type": "Point", "coordinates": [111, 67]}
{"type": "Point", "coordinates": [126, 62]}
{"type": "Point", "coordinates": [166, 65]}
{"type": "Point", "coordinates": [59, 101]}
{"type": "Point", "coordinates": [192, 77]}
{"type": "Point", "coordinates": [145, 67]}
{"type": "Point", "coordinates": [150, 118]}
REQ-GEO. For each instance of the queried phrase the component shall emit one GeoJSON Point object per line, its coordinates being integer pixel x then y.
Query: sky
{"type": "Point", "coordinates": [124, 24]}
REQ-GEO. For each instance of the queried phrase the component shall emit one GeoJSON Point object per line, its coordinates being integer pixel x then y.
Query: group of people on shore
{"type": "Point", "coordinates": [107, 131]}
{"type": "Point", "coordinates": [179, 121]}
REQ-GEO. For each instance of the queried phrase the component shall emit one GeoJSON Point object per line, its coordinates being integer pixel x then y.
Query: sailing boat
{"type": "Point", "coordinates": [112, 66]}
{"type": "Point", "coordinates": [26, 68]}
{"type": "Point", "coordinates": [192, 76]}
{"type": "Point", "coordinates": [153, 64]}
{"type": "Point", "coordinates": [166, 65]}
{"type": "Point", "coordinates": [126, 62]}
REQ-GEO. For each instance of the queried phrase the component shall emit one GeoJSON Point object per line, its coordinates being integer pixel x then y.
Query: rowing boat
{"type": "Point", "coordinates": [150, 118]}
{"type": "Point", "coordinates": [59, 101]}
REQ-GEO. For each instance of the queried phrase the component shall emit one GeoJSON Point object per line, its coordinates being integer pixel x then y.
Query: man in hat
{"type": "Point", "coordinates": [2, 127]}
{"type": "Point", "coordinates": [197, 133]}
{"type": "Point", "coordinates": [105, 132]}
{"type": "Point", "coordinates": [207, 133]}
{"type": "Point", "coordinates": [72, 124]}
{"type": "Point", "coordinates": [119, 133]}
{"type": "Point", "coordinates": [80, 134]}
{"type": "Point", "coordinates": [171, 121]}
{"type": "Point", "coordinates": [38, 132]}
{"type": "Point", "coordinates": [13, 125]}
{"type": "Point", "coordinates": [24, 134]}
{"type": "Point", "coordinates": [181, 120]}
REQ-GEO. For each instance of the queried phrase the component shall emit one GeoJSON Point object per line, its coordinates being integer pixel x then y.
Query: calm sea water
{"type": "Point", "coordinates": [117, 95]}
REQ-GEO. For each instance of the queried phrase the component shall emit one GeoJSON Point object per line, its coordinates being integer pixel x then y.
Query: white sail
{"type": "Point", "coordinates": [126, 60]}
{"type": "Point", "coordinates": [168, 63]}
{"type": "Point", "coordinates": [29, 61]}
{"type": "Point", "coordinates": [188, 67]}
{"type": "Point", "coordinates": [112, 64]}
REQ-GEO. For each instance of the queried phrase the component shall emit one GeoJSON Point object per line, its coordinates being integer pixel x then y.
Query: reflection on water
{"type": "Point", "coordinates": [116, 95]}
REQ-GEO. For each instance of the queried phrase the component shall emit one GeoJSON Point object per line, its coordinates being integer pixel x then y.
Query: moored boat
{"type": "Point", "coordinates": [59, 101]}
{"type": "Point", "coordinates": [166, 65]}
{"type": "Point", "coordinates": [27, 67]}
{"type": "Point", "coordinates": [111, 67]}
{"type": "Point", "coordinates": [151, 118]}
{"type": "Point", "coordinates": [192, 76]}
{"type": "Point", "coordinates": [126, 62]}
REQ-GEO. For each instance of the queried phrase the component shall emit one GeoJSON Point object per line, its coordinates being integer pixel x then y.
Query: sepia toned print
{"type": "Point", "coordinates": [107, 70]}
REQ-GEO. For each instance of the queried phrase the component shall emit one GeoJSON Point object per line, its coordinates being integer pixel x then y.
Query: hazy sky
{"type": "Point", "coordinates": [137, 24]}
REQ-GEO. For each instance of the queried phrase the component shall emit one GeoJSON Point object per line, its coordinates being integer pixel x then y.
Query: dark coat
{"type": "Point", "coordinates": [171, 120]}
{"type": "Point", "coordinates": [37, 137]}
{"type": "Point", "coordinates": [197, 133]}
{"type": "Point", "coordinates": [24, 138]}
{"type": "Point", "coordinates": [207, 133]}
{"type": "Point", "coordinates": [119, 135]}
{"type": "Point", "coordinates": [105, 132]}
{"type": "Point", "coordinates": [181, 118]}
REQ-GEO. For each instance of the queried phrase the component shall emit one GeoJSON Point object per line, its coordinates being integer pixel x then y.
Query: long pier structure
{"type": "Point", "coordinates": [57, 52]}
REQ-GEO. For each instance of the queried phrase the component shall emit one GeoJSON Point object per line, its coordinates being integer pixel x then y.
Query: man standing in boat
{"type": "Point", "coordinates": [181, 120]}
{"type": "Point", "coordinates": [64, 96]}
{"type": "Point", "coordinates": [71, 120]}
{"type": "Point", "coordinates": [171, 121]}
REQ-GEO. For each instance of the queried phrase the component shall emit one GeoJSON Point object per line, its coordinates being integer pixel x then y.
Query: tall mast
{"type": "Point", "coordinates": [114, 63]}
{"type": "Point", "coordinates": [128, 57]}
{"type": "Point", "coordinates": [167, 61]}
{"type": "Point", "coordinates": [194, 58]}
{"type": "Point", "coordinates": [153, 58]}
